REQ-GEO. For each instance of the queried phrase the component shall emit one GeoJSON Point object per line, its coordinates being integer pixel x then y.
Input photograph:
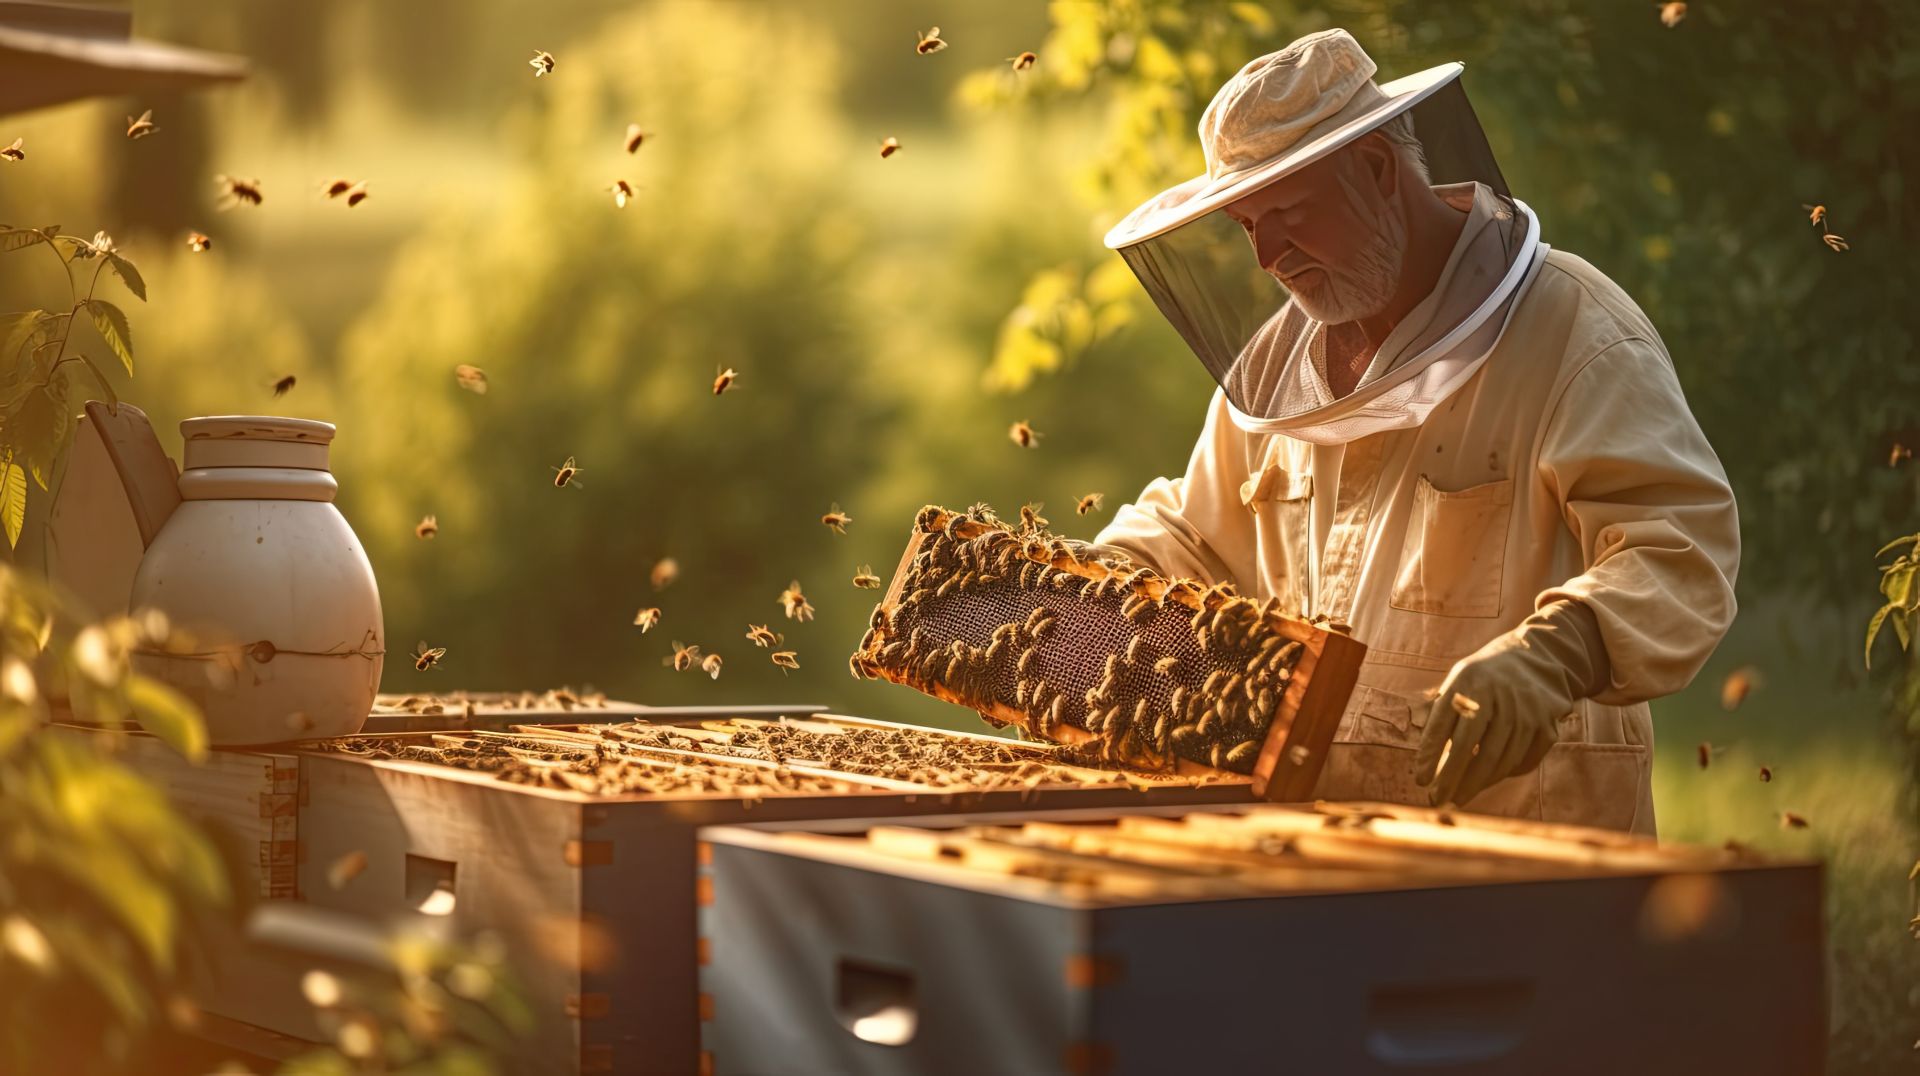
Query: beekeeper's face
{"type": "Point", "coordinates": [1334, 232]}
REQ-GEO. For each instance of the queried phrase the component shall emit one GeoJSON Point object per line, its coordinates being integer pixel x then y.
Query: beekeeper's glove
{"type": "Point", "coordinates": [1522, 682]}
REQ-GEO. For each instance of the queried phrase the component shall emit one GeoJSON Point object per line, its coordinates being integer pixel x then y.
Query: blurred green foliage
{"type": "Point", "coordinates": [99, 874]}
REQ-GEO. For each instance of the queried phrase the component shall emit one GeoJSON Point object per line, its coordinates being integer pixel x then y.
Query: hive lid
{"type": "Point", "coordinates": [256, 428]}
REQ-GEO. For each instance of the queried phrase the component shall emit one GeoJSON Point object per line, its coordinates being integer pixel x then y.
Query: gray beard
{"type": "Point", "coordinates": [1363, 290]}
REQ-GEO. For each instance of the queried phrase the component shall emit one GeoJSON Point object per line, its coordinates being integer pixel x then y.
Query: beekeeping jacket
{"type": "Point", "coordinates": [1518, 439]}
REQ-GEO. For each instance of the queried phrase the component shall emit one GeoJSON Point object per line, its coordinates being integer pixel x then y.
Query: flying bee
{"type": "Point", "coordinates": [13, 152]}
{"type": "Point", "coordinates": [1834, 242]}
{"type": "Point", "coordinates": [198, 242]}
{"type": "Point", "coordinates": [471, 378]}
{"type": "Point", "coordinates": [567, 474]}
{"type": "Point", "coordinates": [426, 657]}
{"type": "Point", "coordinates": [835, 520]}
{"type": "Point", "coordinates": [724, 380]}
{"type": "Point", "coordinates": [1899, 452]}
{"type": "Point", "coordinates": [635, 137]}
{"type": "Point", "coordinates": [889, 146]}
{"type": "Point", "coordinates": [646, 619]}
{"type": "Point", "coordinates": [865, 579]}
{"type": "Point", "coordinates": [665, 571]}
{"type": "Point", "coordinates": [711, 666]}
{"type": "Point", "coordinates": [356, 194]}
{"type": "Point", "coordinates": [762, 636]}
{"type": "Point", "coordinates": [1031, 519]}
{"type": "Point", "coordinates": [1739, 682]}
{"type": "Point", "coordinates": [1815, 213]}
{"type": "Point", "coordinates": [786, 659]}
{"type": "Point", "coordinates": [1704, 753]}
{"type": "Point", "coordinates": [1789, 820]}
{"type": "Point", "coordinates": [1023, 61]}
{"type": "Point", "coordinates": [234, 191]}
{"type": "Point", "coordinates": [1464, 706]}
{"type": "Point", "coordinates": [337, 188]}
{"type": "Point", "coordinates": [427, 527]}
{"type": "Point", "coordinates": [542, 63]}
{"type": "Point", "coordinates": [1671, 12]}
{"type": "Point", "coordinates": [684, 657]}
{"type": "Point", "coordinates": [622, 191]}
{"type": "Point", "coordinates": [284, 386]}
{"type": "Point", "coordinates": [795, 603]}
{"type": "Point", "coordinates": [141, 127]}
{"type": "Point", "coordinates": [929, 42]}
{"type": "Point", "coordinates": [1766, 773]}
{"type": "Point", "coordinates": [1089, 503]}
{"type": "Point", "coordinates": [1023, 434]}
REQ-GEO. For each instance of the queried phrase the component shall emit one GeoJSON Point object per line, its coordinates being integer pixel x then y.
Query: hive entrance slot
{"type": "Point", "coordinates": [430, 885]}
{"type": "Point", "coordinates": [1450, 1024]}
{"type": "Point", "coordinates": [876, 1003]}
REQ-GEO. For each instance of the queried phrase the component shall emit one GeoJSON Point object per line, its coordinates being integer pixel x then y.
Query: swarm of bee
{"type": "Point", "coordinates": [736, 757]}
{"type": "Point", "coordinates": [1030, 629]}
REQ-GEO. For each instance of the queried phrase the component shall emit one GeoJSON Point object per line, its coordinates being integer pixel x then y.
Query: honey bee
{"type": "Point", "coordinates": [566, 474]}
{"type": "Point", "coordinates": [889, 146]}
{"type": "Point", "coordinates": [865, 579]}
{"type": "Point", "coordinates": [13, 152]}
{"type": "Point", "coordinates": [763, 637]}
{"type": "Point", "coordinates": [1464, 706]}
{"type": "Point", "coordinates": [622, 191]}
{"type": "Point", "coordinates": [1023, 434]}
{"type": "Point", "coordinates": [1899, 452]}
{"type": "Point", "coordinates": [1089, 503]}
{"type": "Point", "coordinates": [141, 127]}
{"type": "Point", "coordinates": [1023, 61]}
{"type": "Point", "coordinates": [234, 191]}
{"type": "Point", "coordinates": [1243, 752]}
{"type": "Point", "coordinates": [1167, 666]}
{"type": "Point", "coordinates": [929, 42]}
{"type": "Point", "coordinates": [786, 659]}
{"type": "Point", "coordinates": [635, 137]}
{"type": "Point", "coordinates": [724, 380]}
{"type": "Point", "coordinates": [665, 571]}
{"type": "Point", "coordinates": [711, 666]}
{"type": "Point", "coordinates": [1766, 774]}
{"type": "Point", "coordinates": [1704, 753]}
{"type": "Point", "coordinates": [427, 527]}
{"type": "Point", "coordinates": [795, 603]}
{"type": "Point", "coordinates": [284, 386]}
{"type": "Point", "coordinates": [1739, 682]}
{"type": "Point", "coordinates": [1031, 519]}
{"type": "Point", "coordinates": [471, 378]}
{"type": "Point", "coordinates": [1671, 12]}
{"type": "Point", "coordinates": [684, 657]}
{"type": "Point", "coordinates": [542, 63]}
{"type": "Point", "coordinates": [1789, 820]}
{"type": "Point", "coordinates": [1834, 242]}
{"type": "Point", "coordinates": [198, 242]}
{"type": "Point", "coordinates": [646, 619]}
{"type": "Point", "coordinates": [1815, 213]}
{"type": "Point", "coordinates": [836, 520]}
{"type": "Point", "coordinates": [426, 657]}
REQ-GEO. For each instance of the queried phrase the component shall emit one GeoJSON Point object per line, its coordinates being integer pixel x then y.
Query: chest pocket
{"type": "Point", "coordinates": [1282, 502]}
{"type": "Point", "coordinates": [1455, 550]}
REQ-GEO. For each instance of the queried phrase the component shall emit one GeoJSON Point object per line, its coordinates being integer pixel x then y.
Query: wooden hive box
{"type": "Point", "coordinates": [1387, 940]}
{"type": "Point", "coordinates": [594, 895]}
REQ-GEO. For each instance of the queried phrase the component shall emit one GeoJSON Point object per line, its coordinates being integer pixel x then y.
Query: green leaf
{"type": "Point", "coordinates": [16, 328]}
{"type": "Point", "coordinates": [35, 434]}
{"type": "Point", "coordinates": [100, 378]}
{"type": "Point", "coordinates": [112, 323]}
{"type": "Point", "coordinates": [21, 238]}
{"type": "Point", "coordinates": [1901, 629]}
{"type": "Point", "coordinates": [128, 276]}
{"type": "Point", "coordinates": [1873, 629]}
{"type": "Point", "coordinates": [1895, 544]}
{"type": "Point", "coordinates": [1898, 586]}
{"type": "Point", "coordinates": [167, 714]}
{"type": "Point", "coordinates": [13, 500]}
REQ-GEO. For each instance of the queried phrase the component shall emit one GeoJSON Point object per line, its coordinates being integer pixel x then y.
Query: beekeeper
{"type": "Point", "coordinates": [1467, 447]}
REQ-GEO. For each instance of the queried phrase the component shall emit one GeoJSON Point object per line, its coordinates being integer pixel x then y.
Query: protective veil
{"type": "Point", "coordinates": [1268, 354]}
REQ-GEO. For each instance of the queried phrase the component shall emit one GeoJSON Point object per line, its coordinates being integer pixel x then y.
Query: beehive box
{"type": "Point", "coordinates": [1167, 674]}
{"type": "Point", "coordinates": [1341, 939]}
{"type": "Point", "coordinates": [592, 891]}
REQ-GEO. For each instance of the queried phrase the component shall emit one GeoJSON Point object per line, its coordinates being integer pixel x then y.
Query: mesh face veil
{"type": "Point", "coordinates": [1211, 253]}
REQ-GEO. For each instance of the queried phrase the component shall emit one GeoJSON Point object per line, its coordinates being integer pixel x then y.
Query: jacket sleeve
{"type": "Point", "coordinates": [1651, 511]}
{"type": "Point", "coordinates": [1194, 525]}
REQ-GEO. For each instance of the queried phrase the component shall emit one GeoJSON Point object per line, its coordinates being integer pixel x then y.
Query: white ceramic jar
{"type": "Point", "coordinates": [260, 570]}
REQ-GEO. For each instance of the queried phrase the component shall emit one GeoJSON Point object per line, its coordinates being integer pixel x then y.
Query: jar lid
{"type": "Point", "coordinates": [256, 428]}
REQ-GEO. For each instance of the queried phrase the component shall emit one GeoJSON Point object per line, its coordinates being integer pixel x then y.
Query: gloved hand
{"type": "Point", "coordinates": [1522, 682]}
